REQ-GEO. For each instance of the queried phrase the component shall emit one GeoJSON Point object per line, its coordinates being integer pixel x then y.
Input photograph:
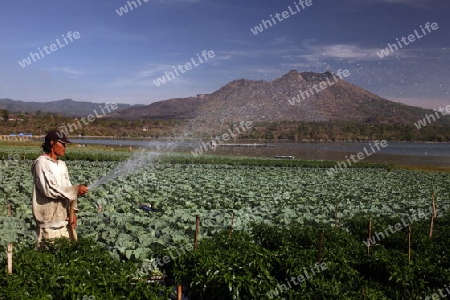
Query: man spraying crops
{"type": "Point", "coordinates": [53, 194]}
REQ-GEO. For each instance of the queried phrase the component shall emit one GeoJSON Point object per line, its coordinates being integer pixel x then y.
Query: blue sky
{"type": "Point", "coordinates": [117, 58]}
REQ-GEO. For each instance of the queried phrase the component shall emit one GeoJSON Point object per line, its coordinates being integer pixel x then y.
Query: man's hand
{"type": "Point", "coordinates": [73, 222]}
{"type": "Point", "coordinates": [82, 189]}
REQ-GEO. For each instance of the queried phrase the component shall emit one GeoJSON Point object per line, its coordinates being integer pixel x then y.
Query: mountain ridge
{"type": "Point", "coordinates": [294, 97]}
{"type": "Point", "coordinates": [259, 100]}
{"type": "Point", "coordinates": [66, 107]}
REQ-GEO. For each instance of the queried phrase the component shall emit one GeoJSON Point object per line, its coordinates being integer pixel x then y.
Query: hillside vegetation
{"type": "Point", "coordinates": [40, 123]}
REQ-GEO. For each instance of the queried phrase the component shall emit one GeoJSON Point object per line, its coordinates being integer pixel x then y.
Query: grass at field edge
{"type": "Point", "coordinates": [111, 153]}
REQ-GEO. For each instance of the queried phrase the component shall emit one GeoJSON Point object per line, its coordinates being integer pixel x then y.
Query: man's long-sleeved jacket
{"type": "Point", "coordinates": [52, 192]}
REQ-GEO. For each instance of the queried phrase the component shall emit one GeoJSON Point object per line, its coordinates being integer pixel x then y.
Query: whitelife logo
{"type": "Point", "coordinates": [391, 48]}
{"type": "Point", "coordinates": [318, 267]}
{"type": "Point", "coordinates": [168, 76]}
{"type": "Point", "coordinates": [124, 9]}
{"type": "Point", "coordinates": [322, 85]}
{"type": "Point", "coordinates": [280, 17]}
{"type": "Point", "coordinates": [378, 236]}
{"type": "Point", "coordinates": [153, 265]}
{"type": "Point", "coordinates": [341, 165]}
{"type": "Point", "coordinates": [225, 137]}
{"type": "Point", "coordinates": [440, 294]}
{"type": "Point", "coordinates": [431, 118]}
{"type": "Point", "coordinates": [53, 47]}
{"type": "Point", "coordinates": [91, 118]}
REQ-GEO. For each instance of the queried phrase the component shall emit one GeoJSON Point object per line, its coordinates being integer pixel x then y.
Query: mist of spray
{"type": "Point", "coordinates": [148, 156]}
{"type": "Point", "coordinates": [143, 158]}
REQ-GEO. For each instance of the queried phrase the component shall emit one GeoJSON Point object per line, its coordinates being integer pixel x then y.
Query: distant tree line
{"type": "Point", "coordinates": [39, 123]}
{"type": "Point", "coordinates": [5, 115]}
{"type": "Point", "coordinates": [350, 131]}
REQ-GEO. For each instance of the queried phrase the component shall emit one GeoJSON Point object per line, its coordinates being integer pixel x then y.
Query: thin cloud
{"type": "Point", "coordinates": [154, 70]}
{"type": "Point", "coordinates": [316, 53]}
{"type": "Point", "coordinates": [177, 1]}
{"type": "Point", "coordinates": [348, 51]}
{"type": "Point", "coordinates": [281, 40]}
{"type": "Point", "coordinates": [402, 1]}
{"type": "Point", "coordinates": [142, 77]}
{"type": "Point", "coordinates": [417, 3]}
{"type": "Point", "coordinates": [260, 52]}
{"type": "Point", "coordinates": [304, 66]}
{"type": "Point", "coordinates": [66, 70]}
{"type": "Point", "coordinates": [145, 78]}
{"type": "Point", "coordinates": [217, 60]}
{"type": "Point", "coordinates": [239, 42]}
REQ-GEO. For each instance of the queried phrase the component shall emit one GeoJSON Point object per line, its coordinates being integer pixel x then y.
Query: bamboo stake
{"type": "Point", "coordinates": [431, 226]}
{"type": "Point", "coordinates": [10, 249]}
{"type": "Point", "coordinates": [409, 244]}
{"type": "Point", "coordinates": [434, 206]}
{"type": "Point", "coordinates": [319, 247]}
{"type": "Point", "coordinates": [9, 210]}
{"type": "Point", "coordinates": [370, 237]}
{"type": "Point", "coordinates": [336, 219]}
{"type": "Point", "coordinates": [179, 292]}
{"type": "Point", "coordinates": [433, 203]}
{"type": "Point", "coordinates": [197, 228]}
{"type": "Point", "coordinates": [72, 232]}
{"type": "Point", "coordinates": [100, 208]}
{"type": "Point", "coordinates": [231, 227]}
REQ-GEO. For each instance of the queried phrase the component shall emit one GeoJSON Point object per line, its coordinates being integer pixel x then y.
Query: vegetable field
{"type": "Point", "coordinates": [252, 198]}
{"type": "Point", "coordinates": [179, 192]}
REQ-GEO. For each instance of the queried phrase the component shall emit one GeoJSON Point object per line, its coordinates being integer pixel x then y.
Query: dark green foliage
{"type": "Point", "coordinates": [253, 266]}
{"type": "Point", "coordinates": [5, 115]}
{"type": "Point", "coordinates": [225, 268]}
{"type": "Point", "coordinates": [96, 156]}
{"type": "Point", "coordinates": [68, 270]}
{"type": "Point", "coordinates": [71, 155]}
{"type": "Point", "coordinates": [350, 131]}
{"type": "Point", "coordinates": [256, 265]}
{"type": "Point", "coordinates": [261, 162]}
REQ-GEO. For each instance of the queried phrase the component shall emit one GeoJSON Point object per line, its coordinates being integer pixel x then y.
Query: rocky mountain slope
{"type": "Point", "coordinates": [293, 97]}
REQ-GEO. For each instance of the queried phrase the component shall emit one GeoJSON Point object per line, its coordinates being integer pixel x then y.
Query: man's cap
{"type": "Point", "coordinates": [56, 135]}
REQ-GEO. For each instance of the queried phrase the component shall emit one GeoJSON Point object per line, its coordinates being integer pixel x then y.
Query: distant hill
{"type": "Point", "coordinates": [66, 107]}
{"type": "Point", "coordinates": [280, 109]}
{"type": "Point", "coordinates": [297, 106]}
{"type": "Point", "coordinates": [282, 100]}
{"type": "Point", "coordinates": [178, 108]}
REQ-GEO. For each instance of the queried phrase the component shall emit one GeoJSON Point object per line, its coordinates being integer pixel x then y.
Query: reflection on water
{"type": "Point", "coordinates": [432, 154]}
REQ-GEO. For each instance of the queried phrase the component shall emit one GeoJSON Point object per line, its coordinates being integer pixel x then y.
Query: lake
{"type": "Point", "coordinates": [404, 153]}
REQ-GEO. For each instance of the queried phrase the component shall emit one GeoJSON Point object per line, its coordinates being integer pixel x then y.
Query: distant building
{"type": "Point", "coordinates": [14, 118]}
{"type": "Point", "coordinates": [17, 137]}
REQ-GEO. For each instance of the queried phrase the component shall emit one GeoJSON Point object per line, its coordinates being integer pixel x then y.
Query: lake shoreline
{"type": "Point", "coordinates": [407, 154]}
